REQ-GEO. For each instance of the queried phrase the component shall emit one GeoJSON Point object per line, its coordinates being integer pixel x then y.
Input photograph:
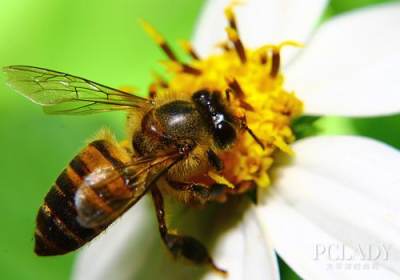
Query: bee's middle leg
{"type": "Point", "coordinates": [199, 192]}
{"type": "Point", "coordinates": [180, 245]}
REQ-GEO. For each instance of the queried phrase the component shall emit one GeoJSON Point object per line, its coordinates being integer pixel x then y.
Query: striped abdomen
{"type": "Point", "coordinates": [58, 230]}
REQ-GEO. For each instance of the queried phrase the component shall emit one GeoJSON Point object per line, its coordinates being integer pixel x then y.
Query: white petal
{"type": "Point", "coordinates": [260, 22]}
{"type": "Point", "coordinates": [112, 254]}
{"type": "Point", "coordinates": [245, 251]}
{"type": "Point", "coordinates": [132, 248]}
{"type": "Point", "coordinates": [350, 67]}
{"type": "Point", "coordinates": [338, 193]}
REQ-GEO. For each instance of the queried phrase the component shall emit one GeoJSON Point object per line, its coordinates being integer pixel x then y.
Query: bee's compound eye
{"type": "Point", "coordinates": [224, 134]}
{"type": "Point", "coordinates": [202, 97]}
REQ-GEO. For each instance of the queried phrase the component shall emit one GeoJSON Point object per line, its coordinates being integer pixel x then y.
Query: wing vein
{"type": "Point", "coordinates": [62, 93]}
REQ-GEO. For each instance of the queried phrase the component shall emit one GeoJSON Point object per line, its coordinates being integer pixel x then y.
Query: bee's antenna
{"type": "Point", "coordinates": [243, 125]}
{"type": "Point", "coordinates": [254, 137]}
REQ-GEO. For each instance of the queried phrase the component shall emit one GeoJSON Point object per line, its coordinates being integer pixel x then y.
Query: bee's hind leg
{"type": "Point", "coordinates": [180, 245]}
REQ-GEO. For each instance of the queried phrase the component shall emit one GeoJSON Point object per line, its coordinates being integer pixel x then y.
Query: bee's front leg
{"type": "Point", "coordinates": [180, 245]}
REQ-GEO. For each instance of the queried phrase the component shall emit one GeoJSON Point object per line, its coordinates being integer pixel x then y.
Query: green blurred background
{"type": "Point", "coordinates": [100, 40]}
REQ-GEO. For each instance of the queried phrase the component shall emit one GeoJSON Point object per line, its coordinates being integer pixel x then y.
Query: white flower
{"type": "Point", "coordinates": [332, 212]}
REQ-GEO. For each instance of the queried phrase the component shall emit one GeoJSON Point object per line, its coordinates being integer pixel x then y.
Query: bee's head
{"type": "Point", "coordinates": [221, 123]}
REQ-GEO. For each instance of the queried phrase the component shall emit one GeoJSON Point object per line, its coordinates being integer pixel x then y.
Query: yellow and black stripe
{"type": "Point", "coordinates": [58, 230]}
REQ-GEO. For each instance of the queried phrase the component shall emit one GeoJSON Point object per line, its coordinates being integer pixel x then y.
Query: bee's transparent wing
{"type": "Point", "coordinates": [61, 93]}
{"type": "Point", "coordinates": [107, 193]}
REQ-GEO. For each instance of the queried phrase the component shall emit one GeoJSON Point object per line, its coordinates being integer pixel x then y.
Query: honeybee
{"type": "Point", "coordinates": [173, 145]}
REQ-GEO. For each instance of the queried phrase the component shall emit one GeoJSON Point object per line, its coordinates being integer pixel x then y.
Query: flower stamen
{"type": "Point", "coordinates": [253, 83]}
{"type": "Point", "coordinates": [235, 88]}
{"type": "Point", "coordinates": [159, 39]}
{"type": "Point", "coordinates": [233, 34]}
{"type": "Point", "coordinates": [174, 63]}
{"type": "Point", "coordinates": [188, 48]}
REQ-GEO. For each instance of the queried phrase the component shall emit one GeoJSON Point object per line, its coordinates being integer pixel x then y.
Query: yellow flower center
{"type": "Point", "coordinates": [254, 84]}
